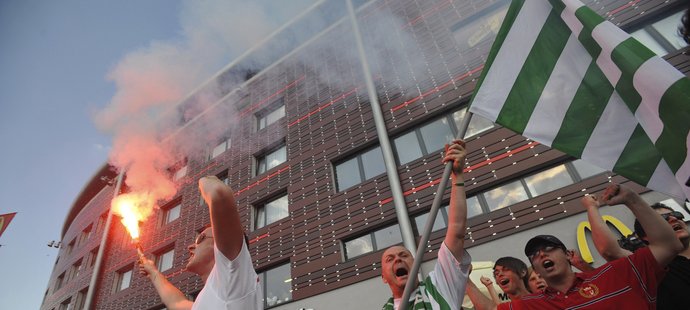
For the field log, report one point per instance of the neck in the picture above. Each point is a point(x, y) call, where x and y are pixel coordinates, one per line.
point(561, 283)
point(517, 293)
point(398, 291)
point(686, 248)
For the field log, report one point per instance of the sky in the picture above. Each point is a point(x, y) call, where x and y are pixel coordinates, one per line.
point(62, 64)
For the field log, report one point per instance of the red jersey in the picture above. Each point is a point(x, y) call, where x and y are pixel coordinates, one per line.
point(626, 283)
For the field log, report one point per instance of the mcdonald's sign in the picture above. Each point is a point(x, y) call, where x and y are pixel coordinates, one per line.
point(582, 238)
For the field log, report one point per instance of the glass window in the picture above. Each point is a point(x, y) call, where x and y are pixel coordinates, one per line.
point(548, 180)
point(180, 173)
point(94, 254)
point(439, 222)
point(477, 125)
point(81, 298)
point(585, 169)
point(360, 168)
point(123, 280)
point(266, 118)
point(59, 281)
point(407, 147)
point(66, 305)
point(172, 214)
point(474, 208)
point(277, 285)
point(387, 236)
point(505, 195)
point(271, 160)
point(436, 134)
point(347, 174)
point(359, 246)
point(271, 212)
point(165, 260)
point(662, 36)
point(76, 269)
point(372, 163)
point(220, 149)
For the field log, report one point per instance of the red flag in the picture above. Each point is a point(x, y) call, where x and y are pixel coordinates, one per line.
point(5, 220)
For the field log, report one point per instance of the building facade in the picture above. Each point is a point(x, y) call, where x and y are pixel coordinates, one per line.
point(305, 159)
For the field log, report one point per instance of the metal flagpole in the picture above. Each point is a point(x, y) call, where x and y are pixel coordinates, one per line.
point(101, 249)
point(410, 285)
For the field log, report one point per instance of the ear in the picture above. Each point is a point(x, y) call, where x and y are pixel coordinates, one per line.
point(384, 279)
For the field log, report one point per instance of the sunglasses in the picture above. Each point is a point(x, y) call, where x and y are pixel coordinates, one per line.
point(675, 214)
point(545, 249)
point(201, 237)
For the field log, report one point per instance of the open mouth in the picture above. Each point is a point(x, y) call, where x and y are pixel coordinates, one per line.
point(548, 264)
point(504, 282)
point(401, 272)
point(541, 287)
point(677, 227)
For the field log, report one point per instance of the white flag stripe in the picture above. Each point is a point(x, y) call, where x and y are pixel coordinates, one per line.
point(663, 178)
point(610, 136)
point(558, 93)
point(651, 81)
point(510, 59)
point(608, 37)
point(568, 16)
point(683, 172)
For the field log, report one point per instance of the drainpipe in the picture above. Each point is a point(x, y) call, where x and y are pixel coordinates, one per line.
point(101, 250)
point(388, 159)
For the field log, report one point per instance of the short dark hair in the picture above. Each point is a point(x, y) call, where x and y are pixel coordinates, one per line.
point(639, 231)
point(514, 265)
point(684, 29)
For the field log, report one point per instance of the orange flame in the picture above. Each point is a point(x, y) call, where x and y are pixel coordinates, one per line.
point(133, 208)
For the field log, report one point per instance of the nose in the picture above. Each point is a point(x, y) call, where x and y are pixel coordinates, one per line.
point(191, 247)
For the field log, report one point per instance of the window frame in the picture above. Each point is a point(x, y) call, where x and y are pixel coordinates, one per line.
point(360, 167)
point(262, 156)
point(160, 258)
point(263, 276)
point(262, 205)
point(374, 244)
point(265, 112)
point(121, 276)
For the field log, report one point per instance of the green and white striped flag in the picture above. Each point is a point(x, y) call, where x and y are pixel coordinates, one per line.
point(561, 75)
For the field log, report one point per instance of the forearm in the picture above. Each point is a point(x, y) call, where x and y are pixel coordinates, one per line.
point(493, 294)
point(225, 219)
point(171, 296)
point(457, 216)
point(603, 238)
point(662, 240)
point(479, 300)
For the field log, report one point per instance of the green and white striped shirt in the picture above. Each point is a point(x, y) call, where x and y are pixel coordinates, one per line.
point(444, 287)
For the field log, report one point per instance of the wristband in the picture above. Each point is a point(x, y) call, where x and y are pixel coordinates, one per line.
point(459, 183)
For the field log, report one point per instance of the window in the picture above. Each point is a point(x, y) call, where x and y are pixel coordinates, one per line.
point(220, 148)
point(270, 115)
point(440, 222)
point(477, 30)
point(271, 212)
point(101, 221)
point(432, 136)
point(662, 35)
point(70, 247)
point(85, 235)
point(123, 280)
point(172, 213)
point(271, 159)
point(94, 254)
point(66, 305)
point(277, 285)
point(164, 261)
point(76, 269)
point(81, 299)
point(59, 281)
point(363, 166)
point(180, 173)
point(374, 241)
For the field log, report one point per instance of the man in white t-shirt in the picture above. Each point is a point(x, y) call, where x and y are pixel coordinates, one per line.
point(219, 256)
point(444, 288)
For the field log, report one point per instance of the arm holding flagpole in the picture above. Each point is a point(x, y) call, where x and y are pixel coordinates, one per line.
point(409, 287)
point(604, 241)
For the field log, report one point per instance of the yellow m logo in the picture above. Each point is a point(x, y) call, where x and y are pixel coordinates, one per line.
point(582, 237)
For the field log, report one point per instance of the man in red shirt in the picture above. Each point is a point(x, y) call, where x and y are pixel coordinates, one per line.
point(626, 283)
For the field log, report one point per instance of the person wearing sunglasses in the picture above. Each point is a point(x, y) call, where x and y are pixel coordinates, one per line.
point(676, 283)
point(219, 255)
point(625, 283)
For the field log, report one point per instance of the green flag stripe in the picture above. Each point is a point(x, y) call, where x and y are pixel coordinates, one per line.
point(629, 56)
point(535, 73)
point(674, 113)
point(590, 99)
point(508, 54)
point(589, 20)
point(639, 158)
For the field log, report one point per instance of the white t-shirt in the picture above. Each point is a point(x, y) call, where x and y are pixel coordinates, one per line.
point(231, 284)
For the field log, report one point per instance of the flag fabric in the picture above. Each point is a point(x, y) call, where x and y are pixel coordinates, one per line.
point(560, 74)
point(5, 220)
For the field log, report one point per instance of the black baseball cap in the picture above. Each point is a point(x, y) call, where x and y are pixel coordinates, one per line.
point(541, 241)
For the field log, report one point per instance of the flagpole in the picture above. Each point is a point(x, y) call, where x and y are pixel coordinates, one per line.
point(101, 249)
point(409, 286)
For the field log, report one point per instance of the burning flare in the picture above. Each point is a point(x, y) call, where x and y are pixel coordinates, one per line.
point(133, 208)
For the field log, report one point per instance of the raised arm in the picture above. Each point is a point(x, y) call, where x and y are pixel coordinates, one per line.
point(171, 296)
point(228, 233)
point(478, 299)
point(457, 211)
point(603, 238)
point(663, 242)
